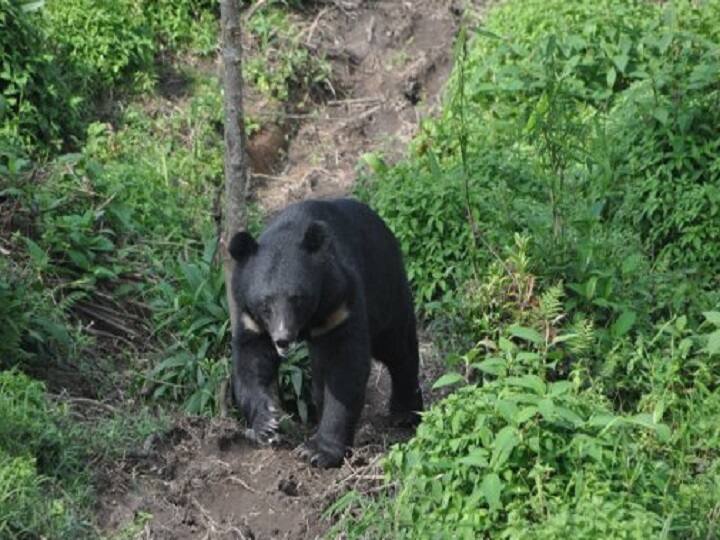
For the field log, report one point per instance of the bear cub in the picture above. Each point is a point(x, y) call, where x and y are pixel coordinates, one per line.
point(328, 272)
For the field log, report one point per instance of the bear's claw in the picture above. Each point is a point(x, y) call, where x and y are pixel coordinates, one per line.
point(317, 457)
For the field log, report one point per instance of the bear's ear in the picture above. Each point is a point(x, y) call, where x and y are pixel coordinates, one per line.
point(316, 236)
point(242, 246)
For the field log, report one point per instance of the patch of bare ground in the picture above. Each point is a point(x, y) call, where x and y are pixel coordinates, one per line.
point(389, 60)
point(203, 479)
point(389, 63)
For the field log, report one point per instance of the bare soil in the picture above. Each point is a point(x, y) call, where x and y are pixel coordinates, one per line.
point(202, 479)
point(389, 63)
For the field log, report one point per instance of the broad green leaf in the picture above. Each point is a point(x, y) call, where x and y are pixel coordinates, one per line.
point(449, 378)
point(604, 421)
point(492, 489)
point(476, 458)
point(646, 420)
point(620, 62)
point(506, 345)
point(29, 7)
point(623, 324)
point(712, 317)
point(563, 338)
point(505, 442)
point(630, 264)
point(713, 344)
point(569, 416)
point(559, 388)
point(547, 409)
point(528, 334)
point(525, 414)
point(508, 409)
point(531, 382)
point(492, 366)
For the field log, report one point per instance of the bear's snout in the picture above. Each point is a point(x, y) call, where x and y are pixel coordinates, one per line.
point(282, 346)
point(282, 337)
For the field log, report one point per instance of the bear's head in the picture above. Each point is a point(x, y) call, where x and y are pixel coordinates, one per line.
point(280, 279)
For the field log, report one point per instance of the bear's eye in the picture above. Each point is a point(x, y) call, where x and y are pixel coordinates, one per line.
point(297, 299)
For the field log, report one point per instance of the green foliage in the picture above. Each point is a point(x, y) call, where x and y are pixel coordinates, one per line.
point(184, 24)
point(41, 484)
point(36, 103)
point(295, 385)
point(283, 62)
point(524, 457)
point(191, 311)
point(588, 131)
point(105, 41)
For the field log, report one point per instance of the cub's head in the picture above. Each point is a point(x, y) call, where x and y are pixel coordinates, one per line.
point(279, 280)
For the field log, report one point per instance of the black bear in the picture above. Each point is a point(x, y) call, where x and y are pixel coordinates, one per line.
point(328, 272)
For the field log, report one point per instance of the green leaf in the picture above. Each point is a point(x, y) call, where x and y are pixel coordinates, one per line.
point(661, 114)
point(37, 254)
point(713, 344)
point(29, 7)
point(611, 77)
point(531, 382)
point(630, 264)
point(506, 345)
point(559, 388)
point(528, 334)
point(525, 414)
point(492, 366)
point(569, 416)
point(491, 490)
point(547, 409)
point(476, 458)
point(623, 324)
point(449, 378)
point(713, 317)
point(505, 442)
point(620, 62)
point(646, 420)
point(507, 409)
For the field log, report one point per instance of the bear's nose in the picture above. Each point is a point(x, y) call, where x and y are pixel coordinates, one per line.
point(282, 343)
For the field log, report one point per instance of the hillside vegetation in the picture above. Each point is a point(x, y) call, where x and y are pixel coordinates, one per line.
point(560, 220)
point(109, 283)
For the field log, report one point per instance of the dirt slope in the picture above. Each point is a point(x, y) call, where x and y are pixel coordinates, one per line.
point(389, 62)
point(203, 480)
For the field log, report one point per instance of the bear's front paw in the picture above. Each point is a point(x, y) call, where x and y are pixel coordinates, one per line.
point(322, 455)
point(264, 426)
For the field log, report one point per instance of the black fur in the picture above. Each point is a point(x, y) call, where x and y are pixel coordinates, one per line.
point(313, 259)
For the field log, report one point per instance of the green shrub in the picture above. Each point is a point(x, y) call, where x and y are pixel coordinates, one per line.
point(37, 104)
point(581, 124)
point(185, 23)
point(105, 41)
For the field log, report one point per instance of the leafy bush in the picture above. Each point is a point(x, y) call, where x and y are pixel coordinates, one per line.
point(522, 457)
point(589, 128)
point(581, 124)
point(37, 104)
point(186, 23)
point(106, 41)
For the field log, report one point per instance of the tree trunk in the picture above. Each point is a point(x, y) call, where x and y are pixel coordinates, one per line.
point(235, 160)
